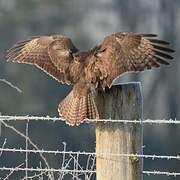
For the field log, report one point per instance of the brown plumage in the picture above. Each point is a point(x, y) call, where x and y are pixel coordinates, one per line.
point(118, 53)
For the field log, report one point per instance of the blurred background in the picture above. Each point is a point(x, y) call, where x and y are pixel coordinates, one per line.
point(87, 22)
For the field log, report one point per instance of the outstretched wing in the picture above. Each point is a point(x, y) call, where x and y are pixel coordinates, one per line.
point(35, 51)
point(123, 52)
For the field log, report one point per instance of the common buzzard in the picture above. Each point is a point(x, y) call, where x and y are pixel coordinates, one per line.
point(86, 71)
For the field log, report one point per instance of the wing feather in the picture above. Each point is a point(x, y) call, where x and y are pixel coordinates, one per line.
point(123, 52)
point(34, 51)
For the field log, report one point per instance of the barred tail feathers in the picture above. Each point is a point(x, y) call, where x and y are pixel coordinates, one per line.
point(75, 109)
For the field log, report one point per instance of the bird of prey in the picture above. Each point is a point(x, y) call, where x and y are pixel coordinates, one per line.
point(88, 71)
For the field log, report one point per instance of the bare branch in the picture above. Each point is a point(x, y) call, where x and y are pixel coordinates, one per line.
point(11, 85)
point(3, 146)
point(11, 172)
point(30, 142)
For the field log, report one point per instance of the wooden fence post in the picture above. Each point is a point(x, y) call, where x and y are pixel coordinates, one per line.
point(120, 102)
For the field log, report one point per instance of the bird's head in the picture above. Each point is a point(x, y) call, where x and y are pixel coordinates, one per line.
point(63, 47)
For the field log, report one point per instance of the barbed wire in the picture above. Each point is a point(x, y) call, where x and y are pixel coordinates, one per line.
point(76, 169)
point(155, 172)
point(46, 170)
point(146, 121)
point(153, 157)
point(161, 173)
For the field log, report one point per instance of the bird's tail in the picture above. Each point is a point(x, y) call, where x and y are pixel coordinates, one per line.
point(76, 107)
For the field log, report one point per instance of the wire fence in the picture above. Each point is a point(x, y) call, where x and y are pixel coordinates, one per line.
point(147, 121)
point(77, 165)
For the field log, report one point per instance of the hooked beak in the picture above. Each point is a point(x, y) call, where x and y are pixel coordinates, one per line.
point(76, 55)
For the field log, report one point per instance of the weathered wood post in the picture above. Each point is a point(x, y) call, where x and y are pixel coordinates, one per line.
point(121, 102)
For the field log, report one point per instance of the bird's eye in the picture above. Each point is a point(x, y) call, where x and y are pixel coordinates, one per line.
point(99, 52)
